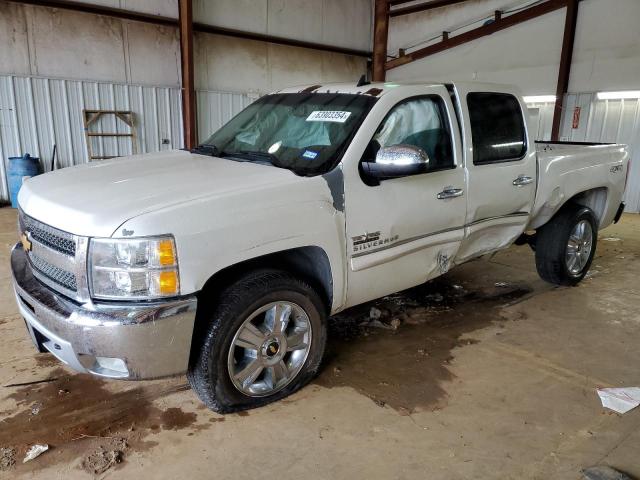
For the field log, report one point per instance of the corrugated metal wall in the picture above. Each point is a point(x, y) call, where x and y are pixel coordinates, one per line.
point(609, 121)
point(217, 108)
point(38, 113)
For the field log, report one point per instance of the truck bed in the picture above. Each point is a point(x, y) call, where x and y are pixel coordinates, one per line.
point(570, 169)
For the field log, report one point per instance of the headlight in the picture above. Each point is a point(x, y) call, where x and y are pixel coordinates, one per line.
point(133, 268)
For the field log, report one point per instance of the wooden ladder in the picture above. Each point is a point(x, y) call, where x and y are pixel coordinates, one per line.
point(90, 117)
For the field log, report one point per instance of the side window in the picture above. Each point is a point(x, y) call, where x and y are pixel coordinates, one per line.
point(420, 122)
point(497, 127)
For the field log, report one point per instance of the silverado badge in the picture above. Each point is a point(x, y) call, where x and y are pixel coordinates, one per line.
point(370, 240)
point(26, 244)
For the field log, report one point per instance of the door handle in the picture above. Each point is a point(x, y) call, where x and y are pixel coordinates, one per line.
point(522, 180)
point(450, 192)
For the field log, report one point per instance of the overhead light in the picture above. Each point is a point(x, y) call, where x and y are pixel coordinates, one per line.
point(618, 95)
point(540, 99)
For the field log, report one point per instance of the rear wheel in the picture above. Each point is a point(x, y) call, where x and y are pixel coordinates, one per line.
point(565, 246)
point(263, 340)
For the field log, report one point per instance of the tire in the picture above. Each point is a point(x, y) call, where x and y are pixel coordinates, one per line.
point(556, 248)
point(221, 350)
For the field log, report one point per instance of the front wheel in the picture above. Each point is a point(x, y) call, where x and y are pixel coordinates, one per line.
point(565, 246)
point(264, 340)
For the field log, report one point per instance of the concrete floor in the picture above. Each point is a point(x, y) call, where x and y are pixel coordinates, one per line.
point(478, 381)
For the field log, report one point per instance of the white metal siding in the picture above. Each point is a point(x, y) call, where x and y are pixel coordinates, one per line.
point(36, 113)
point(217, 108)
point(607, 121)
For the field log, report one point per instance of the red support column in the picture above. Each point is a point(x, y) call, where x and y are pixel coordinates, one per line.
point(564, 71)
point(380, 35)
point(185, 22)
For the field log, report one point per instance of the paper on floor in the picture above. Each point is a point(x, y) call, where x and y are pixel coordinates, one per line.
point(35, 452)
point(620, 400)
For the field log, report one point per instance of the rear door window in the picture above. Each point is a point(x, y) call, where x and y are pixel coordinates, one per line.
point(497, 128)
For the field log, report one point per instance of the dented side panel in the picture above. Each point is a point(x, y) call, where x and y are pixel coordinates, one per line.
point(593, 175)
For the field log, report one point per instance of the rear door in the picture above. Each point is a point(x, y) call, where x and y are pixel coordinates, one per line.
point(500, 160)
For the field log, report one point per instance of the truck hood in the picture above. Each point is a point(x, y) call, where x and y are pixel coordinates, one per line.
point(95, 199)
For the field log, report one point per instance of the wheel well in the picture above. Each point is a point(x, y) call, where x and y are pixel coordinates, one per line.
point(595, 199)
point(309, 263)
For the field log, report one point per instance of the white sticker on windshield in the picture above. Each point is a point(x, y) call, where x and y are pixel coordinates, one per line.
point(328, 116)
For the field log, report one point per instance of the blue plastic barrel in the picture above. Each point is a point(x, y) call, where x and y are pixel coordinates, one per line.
point(20, 168)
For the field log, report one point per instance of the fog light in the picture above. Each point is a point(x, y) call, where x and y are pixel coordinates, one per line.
point(114, 364)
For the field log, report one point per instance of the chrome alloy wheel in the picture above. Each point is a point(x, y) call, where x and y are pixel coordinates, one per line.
point(269, 349)
point(579, 247)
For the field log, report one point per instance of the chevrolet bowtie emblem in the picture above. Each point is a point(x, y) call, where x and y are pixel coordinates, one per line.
point(26, 244)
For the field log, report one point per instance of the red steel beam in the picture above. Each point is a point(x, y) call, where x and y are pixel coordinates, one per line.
point(290, 42)
point(499, 24)
point(198, 27)
point(420, 7)
point(101, 10)
point(185, 21)
point(564, 72)
point(380, 37)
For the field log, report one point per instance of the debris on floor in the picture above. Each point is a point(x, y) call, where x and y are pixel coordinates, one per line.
point(620, 400)
point(604, 472)
point(105, 457)
point(612, 239)
point(34, 452)
point(501, 284)
point(7, 458)
point(434, 297)
point(378, 324)
point(35, 408)
point(375, 313)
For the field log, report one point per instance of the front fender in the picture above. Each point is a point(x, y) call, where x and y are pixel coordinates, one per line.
point(215, 233)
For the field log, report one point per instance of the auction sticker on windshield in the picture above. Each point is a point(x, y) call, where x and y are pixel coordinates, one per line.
point(328, 116)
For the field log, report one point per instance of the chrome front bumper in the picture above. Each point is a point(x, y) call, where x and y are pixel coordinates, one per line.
point(132, 341)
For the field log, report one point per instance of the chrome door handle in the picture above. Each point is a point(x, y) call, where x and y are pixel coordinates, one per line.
point(450, 192)
point(522, 180)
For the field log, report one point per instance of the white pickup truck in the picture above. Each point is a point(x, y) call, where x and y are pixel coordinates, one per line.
point(225, 262)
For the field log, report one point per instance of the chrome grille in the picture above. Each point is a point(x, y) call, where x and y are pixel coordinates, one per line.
point(57, 258)
point(58, 275)
point(58, 240)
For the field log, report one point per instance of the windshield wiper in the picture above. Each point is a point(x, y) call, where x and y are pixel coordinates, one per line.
point(206, 149)
point(252, 155)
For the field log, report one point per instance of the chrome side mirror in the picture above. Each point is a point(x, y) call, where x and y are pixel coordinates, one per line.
point(397, 161)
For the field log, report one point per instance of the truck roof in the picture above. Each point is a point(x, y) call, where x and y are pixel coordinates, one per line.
point(377, 89)
point(374, 89)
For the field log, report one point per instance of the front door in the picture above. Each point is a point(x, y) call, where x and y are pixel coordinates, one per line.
point(403, 231)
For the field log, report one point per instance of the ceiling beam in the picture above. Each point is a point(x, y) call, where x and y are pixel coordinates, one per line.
point(198, 27)
point(564, 72)
point(102, 10)
point(290, 42)
point(420, 7)
point(500, 22)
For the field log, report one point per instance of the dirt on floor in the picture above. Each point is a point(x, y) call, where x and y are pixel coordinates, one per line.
point(486, 372)
point(396, 350)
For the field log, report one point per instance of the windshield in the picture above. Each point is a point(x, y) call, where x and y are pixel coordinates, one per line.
point(304, 132)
